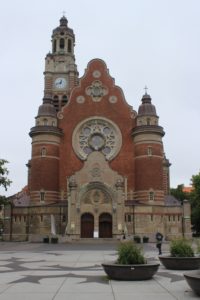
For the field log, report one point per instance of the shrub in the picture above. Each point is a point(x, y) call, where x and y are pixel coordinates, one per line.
point(129, 253)
point(181, 248)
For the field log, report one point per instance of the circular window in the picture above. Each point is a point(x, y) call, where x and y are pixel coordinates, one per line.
point(97, 134)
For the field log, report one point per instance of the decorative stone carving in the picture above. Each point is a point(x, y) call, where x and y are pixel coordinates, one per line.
point(96, 74)
point(80, 99)
point(60, 115)
point(96, 91)
point(97, 134)
point(112, 99)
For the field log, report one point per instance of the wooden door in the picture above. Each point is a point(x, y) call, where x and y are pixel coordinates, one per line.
point(87, 225)
point(105, 225)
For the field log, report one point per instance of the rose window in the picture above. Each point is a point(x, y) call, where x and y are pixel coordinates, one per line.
point(97, 134)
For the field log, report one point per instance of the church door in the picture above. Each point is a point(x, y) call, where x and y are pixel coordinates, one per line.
point(87, 225)
point(105, 225)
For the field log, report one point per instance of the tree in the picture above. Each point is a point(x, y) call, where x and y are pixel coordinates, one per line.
point(195, 202)
point(179, 194)
point(4, 181)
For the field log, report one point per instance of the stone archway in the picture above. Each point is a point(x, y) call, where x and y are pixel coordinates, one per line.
point(105, 225)
point(87, 225)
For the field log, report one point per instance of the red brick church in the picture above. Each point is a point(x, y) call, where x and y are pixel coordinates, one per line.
point(97, 166)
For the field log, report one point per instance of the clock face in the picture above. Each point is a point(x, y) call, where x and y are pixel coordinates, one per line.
point(60, 83)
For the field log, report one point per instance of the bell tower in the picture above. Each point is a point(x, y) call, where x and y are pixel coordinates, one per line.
point(60, 75)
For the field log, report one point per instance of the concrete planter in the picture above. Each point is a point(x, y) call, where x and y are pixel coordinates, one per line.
point(130, 272)
point(193, 279)
point(180, 263)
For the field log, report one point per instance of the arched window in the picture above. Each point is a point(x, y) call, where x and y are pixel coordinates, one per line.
point(148, 121)
point(62, 43)
point(69, 46)
point(54, 45)
point(45, 122)
point(64, 100)
point(151, 196)
point(42, 196)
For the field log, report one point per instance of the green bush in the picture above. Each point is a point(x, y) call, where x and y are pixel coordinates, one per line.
point(181, 248)
point(129, 253)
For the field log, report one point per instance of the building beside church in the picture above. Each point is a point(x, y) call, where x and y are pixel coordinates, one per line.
point(97, 166)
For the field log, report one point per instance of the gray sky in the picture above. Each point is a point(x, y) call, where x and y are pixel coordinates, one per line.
point(143, 42)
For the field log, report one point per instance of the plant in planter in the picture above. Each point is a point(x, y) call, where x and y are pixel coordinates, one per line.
point(193, 277)
point(131, 264)
point(181, 256)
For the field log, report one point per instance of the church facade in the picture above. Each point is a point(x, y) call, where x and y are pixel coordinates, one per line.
point(97, 167)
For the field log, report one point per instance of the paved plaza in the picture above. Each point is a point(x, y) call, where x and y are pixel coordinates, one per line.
point(72, 271)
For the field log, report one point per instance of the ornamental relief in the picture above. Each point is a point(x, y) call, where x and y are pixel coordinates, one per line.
point(96, 91)
point(96, 196)
point(97, 134)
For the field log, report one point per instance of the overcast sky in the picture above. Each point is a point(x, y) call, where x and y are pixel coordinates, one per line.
point(143, 42)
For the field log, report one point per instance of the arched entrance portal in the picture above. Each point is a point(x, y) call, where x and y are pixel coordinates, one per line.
point(105, 225)
point(87, 225)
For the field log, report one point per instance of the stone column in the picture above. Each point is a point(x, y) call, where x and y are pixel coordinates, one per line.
point(72, 209)
point(118, 209)
point(187, 219)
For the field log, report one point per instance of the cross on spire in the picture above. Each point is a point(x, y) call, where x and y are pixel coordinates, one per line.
point(64, 12)
point(145, 88)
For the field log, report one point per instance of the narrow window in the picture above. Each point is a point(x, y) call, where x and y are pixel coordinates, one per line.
point(63, 218)
point(149, 151)
point(42, 196)
point(151, 218)
point(56, 102)
point(129, 218)
point(41, 218)
point(62, 43)
point(151, 196)
point(69, 46)
point(54, 46)
point(43, 152)
point(169, 218)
